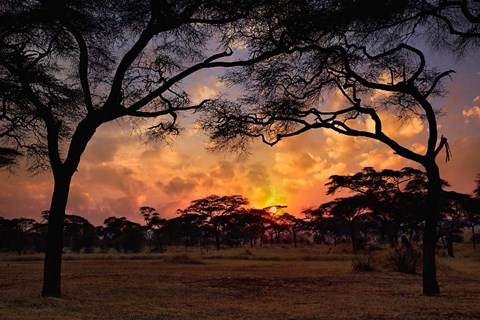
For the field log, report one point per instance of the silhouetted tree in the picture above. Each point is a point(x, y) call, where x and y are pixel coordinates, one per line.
point(216, 210)
point(187, 229)
point(79, 233)
point(153, 228)
point(147, 213)
point(123, 234)
point(15, 233)
point(388, 192)
point(67, 67)
point(364, 55)
point(253, 224)
point(455, 209)
point(352, 212)
point(316, 222)
point(472, 214)
point(293, 223)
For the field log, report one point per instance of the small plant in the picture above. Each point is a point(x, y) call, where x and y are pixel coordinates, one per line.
point(404, 259)
point(362, 263)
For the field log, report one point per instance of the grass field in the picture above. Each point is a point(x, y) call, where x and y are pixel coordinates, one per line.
point(243, 283)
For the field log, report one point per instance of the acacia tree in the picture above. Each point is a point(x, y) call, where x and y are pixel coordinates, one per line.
point(472, 215)
point(293, 223)
point(455, 207)
point(67, 67)
point(368, 58)
point(389, 192)
point(350, 212)
point(216, 211)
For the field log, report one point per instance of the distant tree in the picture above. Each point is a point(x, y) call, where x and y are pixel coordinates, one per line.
point(15, 233)
point(455, 209)
point(216, 211)
point(79, 233)
point(472, 214)
point(388, 192)
point(318, 224)
point(147, 213)
point(235, 231)
point(253, 223)
point(123, 234)
point(187, 229)
point(38, 236)
point(153, 228)
point(293, 223)
point(352, 212)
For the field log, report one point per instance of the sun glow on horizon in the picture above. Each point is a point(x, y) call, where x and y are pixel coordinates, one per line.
point(274, 210)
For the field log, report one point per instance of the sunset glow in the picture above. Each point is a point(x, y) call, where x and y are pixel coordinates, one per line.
point(119, 172)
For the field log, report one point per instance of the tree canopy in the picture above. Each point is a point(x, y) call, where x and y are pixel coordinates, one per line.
point(68, 67)
point(344, 67)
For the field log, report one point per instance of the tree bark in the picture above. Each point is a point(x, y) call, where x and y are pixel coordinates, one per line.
point(430, 283)
point(53, 256)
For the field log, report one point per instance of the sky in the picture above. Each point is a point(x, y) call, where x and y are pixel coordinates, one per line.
point(119, 172)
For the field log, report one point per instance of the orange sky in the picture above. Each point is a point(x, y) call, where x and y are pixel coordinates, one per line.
point(120, 173)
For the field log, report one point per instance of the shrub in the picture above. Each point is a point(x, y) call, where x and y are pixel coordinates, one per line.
point(404, 259)
point(362, 263)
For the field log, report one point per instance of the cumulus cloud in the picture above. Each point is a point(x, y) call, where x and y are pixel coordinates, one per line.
point(208, 88)
point(177, 186)
point(383, 158)
point(119, 173)
point(473, 112)
point(398, 128)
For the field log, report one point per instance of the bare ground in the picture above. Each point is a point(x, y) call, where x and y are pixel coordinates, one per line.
point(280, 284)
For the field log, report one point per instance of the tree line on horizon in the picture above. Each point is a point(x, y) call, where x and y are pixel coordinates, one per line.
point(382, 206)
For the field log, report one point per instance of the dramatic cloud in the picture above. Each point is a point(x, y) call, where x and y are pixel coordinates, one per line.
point(473, 112)
point(119, 172)
point(177, 185)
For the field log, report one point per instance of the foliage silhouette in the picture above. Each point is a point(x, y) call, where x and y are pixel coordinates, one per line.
point(215, 212)
point(68, 67)
point(359, 53)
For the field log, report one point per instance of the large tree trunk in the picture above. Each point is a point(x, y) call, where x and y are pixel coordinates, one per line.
point(430, 283)
point(53, 257)
point(62, 173)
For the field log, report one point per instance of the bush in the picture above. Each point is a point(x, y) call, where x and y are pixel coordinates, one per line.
point(404, 259)
point(362, 263)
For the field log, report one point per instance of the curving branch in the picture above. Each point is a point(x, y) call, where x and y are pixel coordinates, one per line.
point(82, 64)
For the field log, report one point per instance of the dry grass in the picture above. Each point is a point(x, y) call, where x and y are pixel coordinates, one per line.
point(258, 283)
